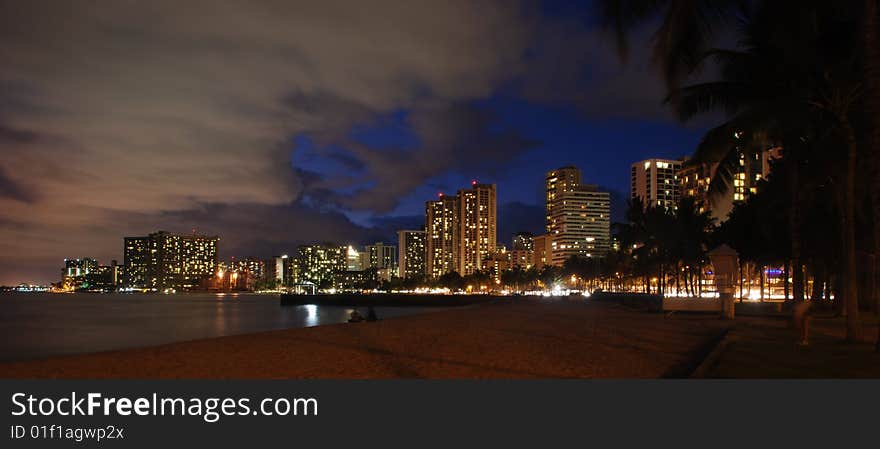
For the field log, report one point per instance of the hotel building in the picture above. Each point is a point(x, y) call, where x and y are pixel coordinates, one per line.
point(522, 250)
point(655, 182)
point(163, 260)
point(477, 237)
point(578, 217)
point(543, 251)
point(319, 263)
point(411, 247)
point(558, 182)
point(380, 256)
point(441, 235)
point(695, 177)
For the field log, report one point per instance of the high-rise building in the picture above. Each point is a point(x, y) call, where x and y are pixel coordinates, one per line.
point(381, 256)
point(163, 260)
point(522, 250)
point(281, 271)
point(695, 177)
point(655, 182)
point(477, 236)
point(441, 235)
point(355, 260)
point(140, 262)
point(198, 259)
point(578, 217)
point(497, 263)
point(411, 247)
point(85, 274)
point(557, 182)
point(241, 274)
point(543, 251)
point(79, 267)
point(318, 263)
point(582, 224)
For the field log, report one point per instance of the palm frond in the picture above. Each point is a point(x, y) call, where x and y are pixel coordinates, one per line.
point(727, 97)
point(621, 16)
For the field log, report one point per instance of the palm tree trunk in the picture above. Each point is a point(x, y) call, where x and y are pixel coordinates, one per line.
point(762, 283)
point(795, 233)
point(872, 103)
point(816, 272)
point(677, 285)
point(785, 273)
point(740, 281)
point(849, 276)
point(700, 283)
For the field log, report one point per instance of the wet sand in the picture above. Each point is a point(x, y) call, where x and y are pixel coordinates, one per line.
point(529, 338)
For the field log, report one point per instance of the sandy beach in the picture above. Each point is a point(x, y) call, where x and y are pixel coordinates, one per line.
point(528, 339)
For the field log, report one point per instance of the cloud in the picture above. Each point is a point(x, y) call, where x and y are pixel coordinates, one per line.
point(13, 190)
point(454, 137)
point(245, 229)
point(138, 108)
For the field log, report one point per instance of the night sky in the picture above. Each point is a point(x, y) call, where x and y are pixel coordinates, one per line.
point(273, 124)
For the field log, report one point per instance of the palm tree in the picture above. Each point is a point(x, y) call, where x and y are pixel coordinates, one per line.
point(829, 81)
point(780, 91)
point(686, 30)
point(691, 236)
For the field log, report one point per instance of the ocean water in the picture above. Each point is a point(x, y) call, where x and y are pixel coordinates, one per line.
point(38, 325)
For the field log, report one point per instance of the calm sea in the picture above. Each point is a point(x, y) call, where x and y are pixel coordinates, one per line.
point(36, 325)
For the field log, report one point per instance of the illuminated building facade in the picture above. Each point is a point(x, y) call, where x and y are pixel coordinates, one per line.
point(655, 182)
point(441, 235)
point(355, 280)
point(557, 183)
point(477, 236)
point(543, 250)
point(381, 256)
point(86, 275)
point(522, 250)
point(695, 177)
point(139, 260)
point(198, 260)
point(79, 267)
point(578, 217)
point(411, 246)
point(242, 274)
point(163, 260)
point(319, 263)
point(497, 263)
point(354, 259)
point(279, 271)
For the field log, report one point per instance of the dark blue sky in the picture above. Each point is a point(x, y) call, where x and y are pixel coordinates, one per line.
point(603, 148)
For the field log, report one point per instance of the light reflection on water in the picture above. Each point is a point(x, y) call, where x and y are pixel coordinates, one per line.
point(311, 314)
point(35, 325)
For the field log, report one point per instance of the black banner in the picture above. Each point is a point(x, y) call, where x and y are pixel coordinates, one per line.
point(404, 413)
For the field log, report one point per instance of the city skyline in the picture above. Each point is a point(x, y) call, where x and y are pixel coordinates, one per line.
point(572, 188)
point(459, 235)
point(140, 135)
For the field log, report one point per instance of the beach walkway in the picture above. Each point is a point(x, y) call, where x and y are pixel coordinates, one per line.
point(523, 338)
point(762, 348)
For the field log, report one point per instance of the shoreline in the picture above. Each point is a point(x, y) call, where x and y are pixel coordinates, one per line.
point(527, 339)
point(389, 300)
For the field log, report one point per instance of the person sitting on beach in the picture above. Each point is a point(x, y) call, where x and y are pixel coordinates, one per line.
point(355, 317)
point(371, 314)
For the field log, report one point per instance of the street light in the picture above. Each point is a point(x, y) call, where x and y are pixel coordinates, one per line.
point(724, 264)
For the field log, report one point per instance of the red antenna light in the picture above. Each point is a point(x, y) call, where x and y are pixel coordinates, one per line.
point(474, 182)
point(440, 194)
